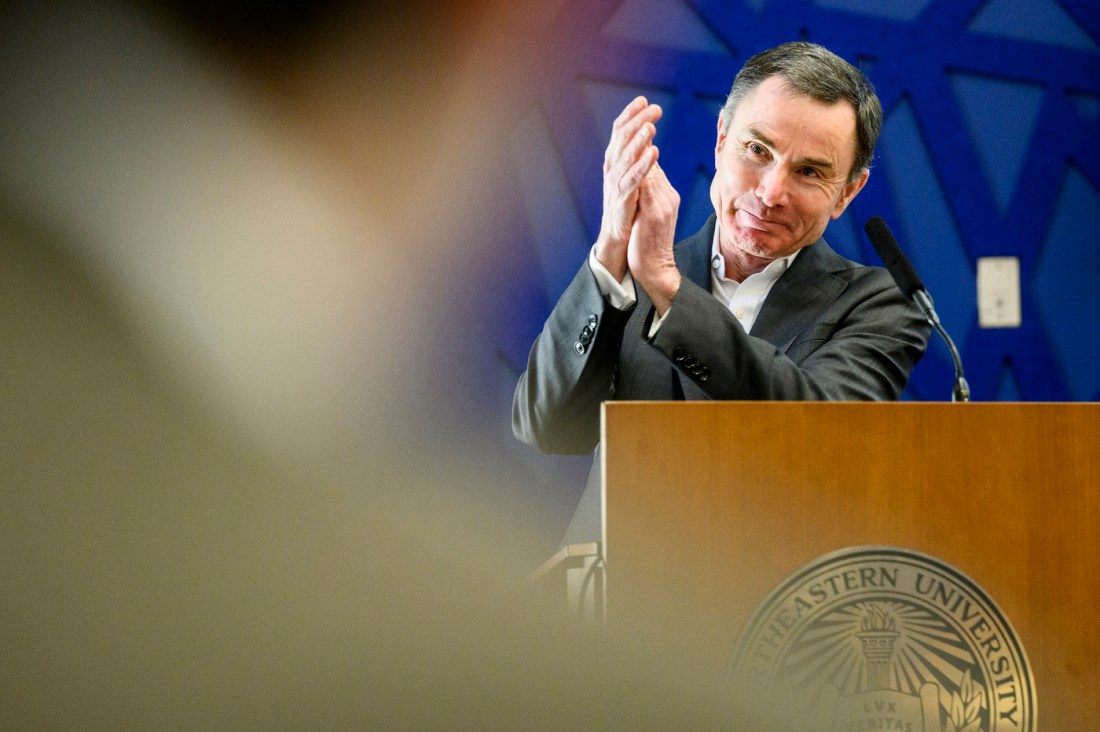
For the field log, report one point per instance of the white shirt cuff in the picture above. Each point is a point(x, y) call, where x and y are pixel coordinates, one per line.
point(655, 325)
point(621, 295)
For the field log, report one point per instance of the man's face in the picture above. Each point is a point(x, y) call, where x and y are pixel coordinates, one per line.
point(782, 171)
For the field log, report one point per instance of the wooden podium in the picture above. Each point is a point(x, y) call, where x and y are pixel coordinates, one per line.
point(709, 506)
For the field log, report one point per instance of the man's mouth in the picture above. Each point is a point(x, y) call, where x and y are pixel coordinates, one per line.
point(751, 220)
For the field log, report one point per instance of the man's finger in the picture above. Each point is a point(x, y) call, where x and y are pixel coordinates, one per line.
point(641, 124)
point(637, 172)
point(633, 150)
point(636, 105)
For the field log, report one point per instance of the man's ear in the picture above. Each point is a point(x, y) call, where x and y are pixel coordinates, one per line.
point(723, 128)
point(849, 192)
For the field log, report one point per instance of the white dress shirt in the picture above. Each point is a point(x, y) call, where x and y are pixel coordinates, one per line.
point(743, 299)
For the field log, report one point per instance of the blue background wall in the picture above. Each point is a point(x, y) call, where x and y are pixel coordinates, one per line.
point(991, 146)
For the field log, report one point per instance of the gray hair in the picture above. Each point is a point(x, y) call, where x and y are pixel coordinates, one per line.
point(814, 71)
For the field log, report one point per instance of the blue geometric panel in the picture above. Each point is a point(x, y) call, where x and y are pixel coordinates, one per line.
point(1002, 116)
point(663, 24)
point(1088, 105)
point(926, 231)
point(1040, 21)
point(1007, 389)
point(1072, 316)
point(606, 101)
point(906, 10)
point(695, 204)
point(842, 236)
point(555, 223)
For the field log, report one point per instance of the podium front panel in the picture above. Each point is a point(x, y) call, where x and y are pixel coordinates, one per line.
point(708, 506)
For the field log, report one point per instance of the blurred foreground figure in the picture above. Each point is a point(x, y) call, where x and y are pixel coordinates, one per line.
point(214, 513)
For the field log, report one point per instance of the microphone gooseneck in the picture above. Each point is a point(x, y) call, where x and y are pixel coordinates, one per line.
point(899, 267)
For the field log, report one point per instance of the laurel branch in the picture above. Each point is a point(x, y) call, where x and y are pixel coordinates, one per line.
point(966, 706)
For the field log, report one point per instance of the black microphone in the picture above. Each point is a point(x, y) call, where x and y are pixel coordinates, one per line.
point(897, 264)
point(890, 253)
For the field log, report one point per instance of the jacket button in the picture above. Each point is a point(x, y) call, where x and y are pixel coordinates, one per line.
point(580, 348)
point(678, 354)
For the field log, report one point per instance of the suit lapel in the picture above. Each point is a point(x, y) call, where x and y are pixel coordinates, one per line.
point(692, 256)
point(807, 287)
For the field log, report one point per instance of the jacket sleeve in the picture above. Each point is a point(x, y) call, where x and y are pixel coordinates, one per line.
point(570, 371)
point(863, 348)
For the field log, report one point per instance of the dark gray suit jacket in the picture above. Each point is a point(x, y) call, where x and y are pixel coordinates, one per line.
point(830, 329)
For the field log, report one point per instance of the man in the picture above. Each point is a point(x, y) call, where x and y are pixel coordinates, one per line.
point(753, 306)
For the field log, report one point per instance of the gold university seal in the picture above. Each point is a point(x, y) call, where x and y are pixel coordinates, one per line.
point(882, 638)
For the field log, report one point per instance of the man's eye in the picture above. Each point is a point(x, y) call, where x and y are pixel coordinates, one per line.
point(757, 149)
point(810, 172)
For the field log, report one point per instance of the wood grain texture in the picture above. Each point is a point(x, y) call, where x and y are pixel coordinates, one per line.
point(709, 506)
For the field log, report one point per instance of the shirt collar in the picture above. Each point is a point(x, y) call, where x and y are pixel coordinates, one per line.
point(718, 263)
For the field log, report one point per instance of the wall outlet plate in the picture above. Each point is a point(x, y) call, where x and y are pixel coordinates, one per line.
point(999, 292)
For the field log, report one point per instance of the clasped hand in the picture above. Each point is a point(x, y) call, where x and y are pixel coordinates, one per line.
point(639, 207)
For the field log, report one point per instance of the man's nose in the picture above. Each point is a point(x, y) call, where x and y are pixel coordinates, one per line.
point(773, 189)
